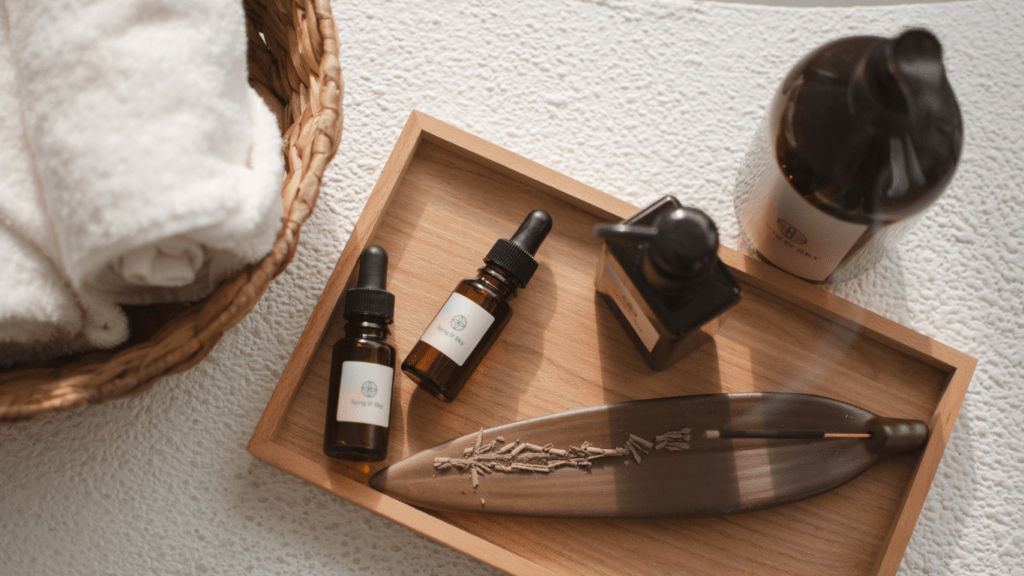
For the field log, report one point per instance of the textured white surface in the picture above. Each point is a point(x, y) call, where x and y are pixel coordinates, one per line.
point(637, 99)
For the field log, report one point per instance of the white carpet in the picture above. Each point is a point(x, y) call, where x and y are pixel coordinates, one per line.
point(638, 99)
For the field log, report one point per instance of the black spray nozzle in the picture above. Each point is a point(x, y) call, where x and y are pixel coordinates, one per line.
point(516, 254)
point(917, 58)
point(369, 297)
point(625, 233)
point(678, 251)
point(901, 83)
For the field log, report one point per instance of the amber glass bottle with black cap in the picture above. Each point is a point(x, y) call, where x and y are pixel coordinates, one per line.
point(862, 136)
point(363, 367)
point(474, 315)
point(660, 274)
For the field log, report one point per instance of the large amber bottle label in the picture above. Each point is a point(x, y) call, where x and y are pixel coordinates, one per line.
point(782, 225)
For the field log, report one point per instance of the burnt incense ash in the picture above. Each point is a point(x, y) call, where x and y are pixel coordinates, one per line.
point(520, 457)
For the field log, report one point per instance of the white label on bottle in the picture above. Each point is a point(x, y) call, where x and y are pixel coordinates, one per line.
point(793, 234)
point(364, 394)
point(614, 284)
point(458, 328)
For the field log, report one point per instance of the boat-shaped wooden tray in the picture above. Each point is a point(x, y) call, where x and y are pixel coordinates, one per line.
point(441, 201)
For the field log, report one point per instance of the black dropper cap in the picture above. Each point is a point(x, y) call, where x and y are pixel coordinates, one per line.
point(369, 298)
point(516, 255)
point(679, 251)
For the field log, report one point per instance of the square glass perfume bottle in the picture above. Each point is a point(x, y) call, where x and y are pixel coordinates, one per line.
point(660, 274)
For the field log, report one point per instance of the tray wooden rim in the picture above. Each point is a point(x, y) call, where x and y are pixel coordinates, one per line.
point(420, 127)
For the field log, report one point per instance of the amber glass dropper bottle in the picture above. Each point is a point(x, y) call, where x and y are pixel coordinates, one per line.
point(363, 367)
point(470, 321)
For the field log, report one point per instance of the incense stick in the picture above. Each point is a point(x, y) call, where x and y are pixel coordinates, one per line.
point(783, 434)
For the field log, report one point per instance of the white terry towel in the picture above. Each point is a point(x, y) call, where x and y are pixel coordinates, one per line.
point(40, 315)
point(160, 168)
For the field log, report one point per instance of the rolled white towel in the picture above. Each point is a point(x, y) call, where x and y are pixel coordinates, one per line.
point(190, 265)
point(160, 167)
point(40, 316)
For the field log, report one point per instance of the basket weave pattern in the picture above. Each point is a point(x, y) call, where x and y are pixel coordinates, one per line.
point(293, 65)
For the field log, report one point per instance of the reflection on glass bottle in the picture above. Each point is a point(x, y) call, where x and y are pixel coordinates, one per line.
point(660, 274)
point(862, 135)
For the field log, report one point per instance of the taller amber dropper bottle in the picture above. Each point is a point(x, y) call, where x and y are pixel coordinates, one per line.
point(363, 367)
point(470, 321)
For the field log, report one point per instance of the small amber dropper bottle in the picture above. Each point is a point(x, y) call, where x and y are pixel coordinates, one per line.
point(363, 367)
point(470, 321)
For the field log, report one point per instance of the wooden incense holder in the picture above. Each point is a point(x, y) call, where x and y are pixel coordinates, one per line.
point(642, 459)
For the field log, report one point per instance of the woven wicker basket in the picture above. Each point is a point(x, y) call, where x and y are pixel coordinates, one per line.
point(293, 64)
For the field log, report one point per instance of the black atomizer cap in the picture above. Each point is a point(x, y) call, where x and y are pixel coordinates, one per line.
point(516, 254)
point(684, 251)
point(369, 298)
point(679, 251)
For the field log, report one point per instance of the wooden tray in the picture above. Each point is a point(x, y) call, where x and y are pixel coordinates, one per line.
point(442, 200)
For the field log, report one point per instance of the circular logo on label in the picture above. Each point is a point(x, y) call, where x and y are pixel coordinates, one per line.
point(369, 389)
point(791, 233)
point(458, 322)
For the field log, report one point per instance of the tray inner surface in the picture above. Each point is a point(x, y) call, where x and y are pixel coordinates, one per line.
point(563, 349)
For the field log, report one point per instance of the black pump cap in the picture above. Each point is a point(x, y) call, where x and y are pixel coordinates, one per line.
point(516, 255)
point(901, 83)
point(369, 298)
point(685, 247)
point(679, 251)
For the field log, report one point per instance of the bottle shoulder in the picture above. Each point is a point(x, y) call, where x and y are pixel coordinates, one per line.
point(361, 348)
point(868, 179)
point(384, 342)
point(486, 292)
point(838, 160)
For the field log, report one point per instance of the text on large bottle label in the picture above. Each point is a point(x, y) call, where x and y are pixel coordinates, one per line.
point(793, 234)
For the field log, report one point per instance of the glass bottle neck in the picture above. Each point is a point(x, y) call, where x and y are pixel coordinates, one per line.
point(498, 281)
point(366, 327)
